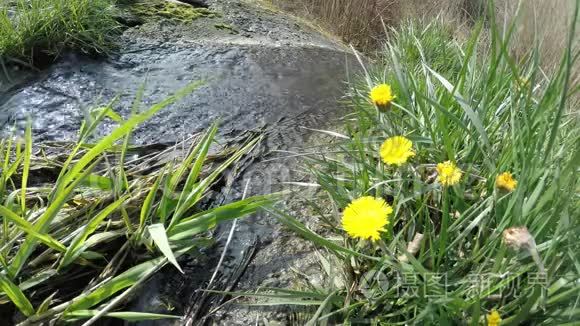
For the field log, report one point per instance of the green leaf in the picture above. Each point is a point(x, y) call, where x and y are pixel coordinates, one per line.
point(109, 113)
point(77, 245)
point(37, 279)
point(26, 166)
point(524, 310)
point(206, 220)
point(44, 221)
point(159, 236)
point(16, 296)
point(124, 129)
point(471, 114)
point(122, 281)
point(125, 315)
point(43, 307)
point(114, 285)
point(323, 306)
point(199, 153)
point(98, 182)
point(28, 228)
point(531, 200)
point(568, 63)
point(196, 193)
point(147, 206)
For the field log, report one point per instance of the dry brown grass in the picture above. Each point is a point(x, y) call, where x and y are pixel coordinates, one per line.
point(355, 21)
point(359, 21)
point(545, 23)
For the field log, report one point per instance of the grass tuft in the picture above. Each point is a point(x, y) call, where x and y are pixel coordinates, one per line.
point(83, 226)
point(37, 31)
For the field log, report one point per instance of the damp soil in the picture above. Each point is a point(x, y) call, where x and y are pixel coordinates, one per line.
point(263, 70)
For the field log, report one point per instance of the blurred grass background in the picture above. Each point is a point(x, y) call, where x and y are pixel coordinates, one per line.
point(360, 22)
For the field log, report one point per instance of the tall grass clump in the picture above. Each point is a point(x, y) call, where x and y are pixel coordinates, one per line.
point(39, 30)
point(83, 225)
point(453, 198)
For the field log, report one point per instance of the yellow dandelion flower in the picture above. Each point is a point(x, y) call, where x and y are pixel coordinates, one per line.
point(365, 217)
point(493, 318)
point(448, 173)
point(506, 181)
point(396, 150)
point(382, 95)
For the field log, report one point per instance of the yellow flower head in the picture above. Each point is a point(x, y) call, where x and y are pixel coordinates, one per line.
point(493, 318)
point(449, 174)
point(396, 150)
point(365, 217)
point(382, 95)
point(506, 181)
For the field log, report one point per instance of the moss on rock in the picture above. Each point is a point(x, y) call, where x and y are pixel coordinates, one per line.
point(175, 11)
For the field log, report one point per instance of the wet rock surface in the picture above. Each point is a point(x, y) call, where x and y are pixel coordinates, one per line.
point(273, 68)
point(262, 69)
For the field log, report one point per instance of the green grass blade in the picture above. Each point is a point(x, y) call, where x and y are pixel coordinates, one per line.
point(147, 206)
point(200, 154)
point(79, 171)
point(197, 192)
point(44, 221)
point(98, 182)
point(125, 315)
point(116, 284)
point(204, 221)
point(16, 296)
point(28, 228)
point(87, 128)
point(26, 166)
point(46, 303)
point(199, 151)
point(127, 279)
point(37, 279)
point(159, 236)
point(122, 181)
point(108, 141)
point(471, 114)
point(76, 246)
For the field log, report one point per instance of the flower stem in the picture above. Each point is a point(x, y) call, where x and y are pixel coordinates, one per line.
point(444, 226)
